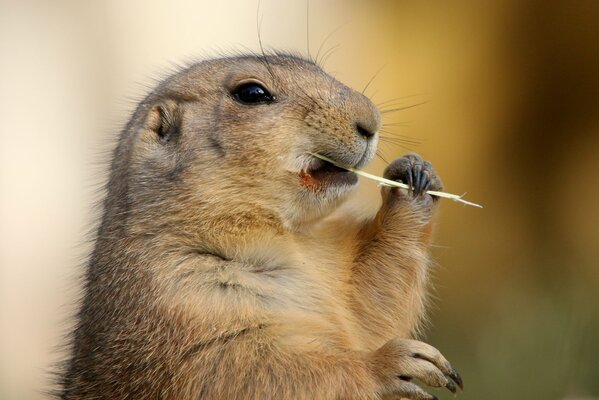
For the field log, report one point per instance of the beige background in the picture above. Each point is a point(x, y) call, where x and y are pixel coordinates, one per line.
point(512, 118)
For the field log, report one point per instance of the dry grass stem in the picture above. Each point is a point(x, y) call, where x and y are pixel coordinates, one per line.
point(388, 182)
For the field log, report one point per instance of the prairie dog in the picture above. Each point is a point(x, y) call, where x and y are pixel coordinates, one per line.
point(223, 267)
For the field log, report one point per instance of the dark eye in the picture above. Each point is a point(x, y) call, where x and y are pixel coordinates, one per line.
point(252, 93)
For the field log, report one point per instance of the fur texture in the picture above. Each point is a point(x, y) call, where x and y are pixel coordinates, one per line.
point(219, 273)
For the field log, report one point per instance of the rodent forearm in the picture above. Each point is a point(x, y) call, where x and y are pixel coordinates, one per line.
point(390, 270)
point(282, 372)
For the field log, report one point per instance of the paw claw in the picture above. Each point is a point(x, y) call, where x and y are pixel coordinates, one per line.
point(451, 387)
point(409, 178)
point(417, 170)
point(427, 186)
point(457, 378)
point(418, 360)
point(417, 173)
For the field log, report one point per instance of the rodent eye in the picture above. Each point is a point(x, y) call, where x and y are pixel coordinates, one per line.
point(252, 93)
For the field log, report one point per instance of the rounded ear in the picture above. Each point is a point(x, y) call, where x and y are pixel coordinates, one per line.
point(163, 122)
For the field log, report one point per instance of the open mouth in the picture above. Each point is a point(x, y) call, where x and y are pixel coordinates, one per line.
point(321, 174)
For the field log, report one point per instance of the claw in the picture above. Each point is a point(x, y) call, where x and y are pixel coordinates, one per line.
point(418, 179)
point(427, 186)
point(457, 378)
point(451, 386)
point(424, 180)
point(410, 178)
point(447, 370)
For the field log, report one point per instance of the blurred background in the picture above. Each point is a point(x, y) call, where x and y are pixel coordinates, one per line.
point(512, 117)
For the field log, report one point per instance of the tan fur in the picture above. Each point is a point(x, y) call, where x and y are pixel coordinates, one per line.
point(217, 274)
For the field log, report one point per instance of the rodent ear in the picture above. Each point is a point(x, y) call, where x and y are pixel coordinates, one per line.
point(163, 121)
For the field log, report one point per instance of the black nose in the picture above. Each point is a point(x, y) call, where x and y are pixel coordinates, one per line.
point(362, 131)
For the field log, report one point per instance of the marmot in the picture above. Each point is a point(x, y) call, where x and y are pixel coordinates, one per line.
point(223, 268)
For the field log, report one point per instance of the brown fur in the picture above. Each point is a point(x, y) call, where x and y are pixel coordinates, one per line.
point(217, 274)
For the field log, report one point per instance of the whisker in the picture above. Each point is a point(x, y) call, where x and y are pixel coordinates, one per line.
point(405, 147)
point(403, 108)
point(395, 136)
point(329, 53)
point(401, 138)
point(308, 28)
point(395, 146)
point(379, 154)
point(258, 26)
point(373, 78)
point(325, 40)
point(396, 99)
point(401, 124)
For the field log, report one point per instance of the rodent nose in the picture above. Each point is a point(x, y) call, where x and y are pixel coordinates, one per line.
point(366, 118)
point(363, 131)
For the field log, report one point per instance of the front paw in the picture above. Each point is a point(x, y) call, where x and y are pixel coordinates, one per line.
point(400, 361)
point(415, 172)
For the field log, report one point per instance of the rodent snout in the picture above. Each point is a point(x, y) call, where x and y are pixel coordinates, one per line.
point(366, 116)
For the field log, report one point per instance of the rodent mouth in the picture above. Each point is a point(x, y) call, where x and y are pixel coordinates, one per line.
point(322, 174)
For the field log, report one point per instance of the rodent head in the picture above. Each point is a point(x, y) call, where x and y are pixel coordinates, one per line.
point(232, 136)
